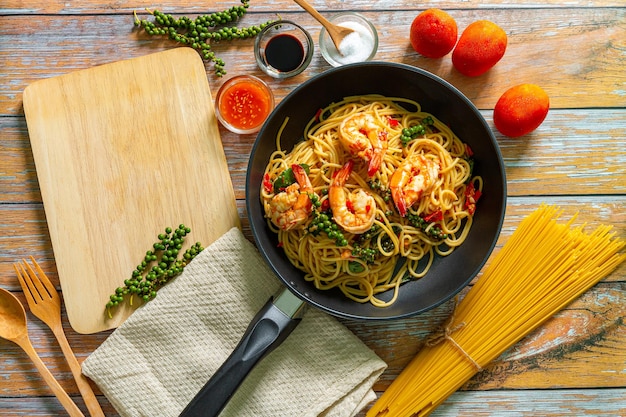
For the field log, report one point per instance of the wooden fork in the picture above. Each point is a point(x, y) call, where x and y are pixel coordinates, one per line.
point(45, 303)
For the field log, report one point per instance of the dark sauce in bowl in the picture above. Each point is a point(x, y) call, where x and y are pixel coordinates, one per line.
point(284, 52)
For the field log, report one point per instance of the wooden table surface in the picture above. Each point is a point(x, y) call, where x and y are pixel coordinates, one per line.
point(574, 365)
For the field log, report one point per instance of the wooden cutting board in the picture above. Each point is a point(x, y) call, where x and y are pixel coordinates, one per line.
point(122, 151)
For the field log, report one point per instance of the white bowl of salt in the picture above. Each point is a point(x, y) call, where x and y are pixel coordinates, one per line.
point(359, 46)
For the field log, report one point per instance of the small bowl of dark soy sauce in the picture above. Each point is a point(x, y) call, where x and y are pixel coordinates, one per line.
point(283, 49)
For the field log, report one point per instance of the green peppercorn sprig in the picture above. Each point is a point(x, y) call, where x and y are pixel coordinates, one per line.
point(363, 248)
point(383, 191)
point(434, 231)
point(367, 255)
point(198, 33)
point(410, 133)
point(369, 235)
point(322, 222)
point(159, 266)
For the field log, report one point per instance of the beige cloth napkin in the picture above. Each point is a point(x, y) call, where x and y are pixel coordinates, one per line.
point(164, 353)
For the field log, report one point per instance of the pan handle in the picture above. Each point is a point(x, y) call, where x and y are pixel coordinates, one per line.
point(271, 325)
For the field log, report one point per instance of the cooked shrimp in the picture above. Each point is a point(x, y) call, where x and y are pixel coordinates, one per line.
point(293, 206)
point(363, 137)
point(415, 176)
point(354, 212)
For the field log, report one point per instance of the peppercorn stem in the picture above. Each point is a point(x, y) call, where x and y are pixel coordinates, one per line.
point(197, 33)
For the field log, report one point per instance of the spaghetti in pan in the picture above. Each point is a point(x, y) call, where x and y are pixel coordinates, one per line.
point(377, 189)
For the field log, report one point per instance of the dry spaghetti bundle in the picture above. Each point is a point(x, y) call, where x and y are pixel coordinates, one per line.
point(543, 267)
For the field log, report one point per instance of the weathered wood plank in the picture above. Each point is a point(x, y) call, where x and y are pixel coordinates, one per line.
point(557, 403)
point(536, 362)
point(534, 54)
point(572, 152)
point(551, 403)
point(576, 160)
point(24, 231)
point(46, 406)
point(14, 7)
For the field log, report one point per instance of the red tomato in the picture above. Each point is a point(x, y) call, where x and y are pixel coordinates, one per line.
point(521, 109)
point(481, 45)
point(433, 33)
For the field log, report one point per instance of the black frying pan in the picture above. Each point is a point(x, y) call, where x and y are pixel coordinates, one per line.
point(447, 275)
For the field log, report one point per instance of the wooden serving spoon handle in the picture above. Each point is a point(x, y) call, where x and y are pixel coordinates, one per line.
point(306, 6)
point(336, 33)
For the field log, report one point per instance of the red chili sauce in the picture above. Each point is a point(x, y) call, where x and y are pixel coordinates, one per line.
point(245, 105)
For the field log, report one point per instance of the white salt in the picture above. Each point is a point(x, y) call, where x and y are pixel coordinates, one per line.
point(356, 47)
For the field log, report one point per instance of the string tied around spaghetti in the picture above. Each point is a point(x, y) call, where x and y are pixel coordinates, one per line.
point(445, 333)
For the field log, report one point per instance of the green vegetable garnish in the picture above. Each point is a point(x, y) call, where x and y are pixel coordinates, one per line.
point(356, 267)
point(286, 178)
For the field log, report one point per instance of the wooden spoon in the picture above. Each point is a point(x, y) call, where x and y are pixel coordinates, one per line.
point(337, 33)
point(13, 327)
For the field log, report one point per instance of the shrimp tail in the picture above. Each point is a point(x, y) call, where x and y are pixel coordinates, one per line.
point(398, 197)
point(377, 152)
point(304, 201)
point(301, 177)
point(374, 164)
point(342, 175)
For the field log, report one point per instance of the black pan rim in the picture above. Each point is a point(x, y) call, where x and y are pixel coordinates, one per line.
point(305, 294)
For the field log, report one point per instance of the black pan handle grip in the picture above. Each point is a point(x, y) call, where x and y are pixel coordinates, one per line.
point(266, 331)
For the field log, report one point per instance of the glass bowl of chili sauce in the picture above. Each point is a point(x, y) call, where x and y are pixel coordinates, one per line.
point(243, 103)
point(283, 49)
